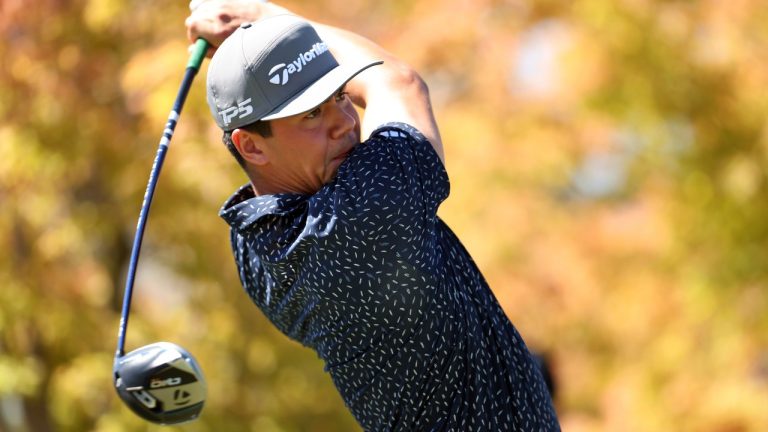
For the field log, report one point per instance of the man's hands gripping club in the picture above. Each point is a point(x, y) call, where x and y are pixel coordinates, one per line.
point(215, 20)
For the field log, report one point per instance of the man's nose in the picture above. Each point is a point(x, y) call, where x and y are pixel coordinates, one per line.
point(343, 121)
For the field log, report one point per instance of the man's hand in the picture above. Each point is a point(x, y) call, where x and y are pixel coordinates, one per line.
point(215, 20)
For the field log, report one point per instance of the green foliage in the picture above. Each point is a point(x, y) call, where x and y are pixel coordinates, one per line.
point(650, 292)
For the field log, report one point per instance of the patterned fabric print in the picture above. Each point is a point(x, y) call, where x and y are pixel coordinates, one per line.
point(366, 274)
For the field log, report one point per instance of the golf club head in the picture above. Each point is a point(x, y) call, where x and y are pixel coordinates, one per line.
point(161, 383)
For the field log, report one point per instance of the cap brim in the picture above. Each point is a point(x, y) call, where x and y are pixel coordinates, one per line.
point(320, 90)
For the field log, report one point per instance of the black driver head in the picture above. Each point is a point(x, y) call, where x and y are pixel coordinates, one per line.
point(161, 383)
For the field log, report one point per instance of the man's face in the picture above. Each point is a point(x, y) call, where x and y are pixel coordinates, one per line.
point(305, 150)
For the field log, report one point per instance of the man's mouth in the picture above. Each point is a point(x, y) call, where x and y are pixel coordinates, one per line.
point(344, 155)
point(350, 144)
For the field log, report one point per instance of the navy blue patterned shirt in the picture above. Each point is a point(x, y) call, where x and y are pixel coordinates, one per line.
point(366, 274)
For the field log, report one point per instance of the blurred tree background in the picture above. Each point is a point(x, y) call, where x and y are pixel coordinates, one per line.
point(608, 163)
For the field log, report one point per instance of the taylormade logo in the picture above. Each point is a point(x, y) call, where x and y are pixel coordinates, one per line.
point(281, 73)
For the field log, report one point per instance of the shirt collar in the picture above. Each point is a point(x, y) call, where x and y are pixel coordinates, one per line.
point(243, 209)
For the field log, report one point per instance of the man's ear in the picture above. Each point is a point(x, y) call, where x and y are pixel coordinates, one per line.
point(250, 146)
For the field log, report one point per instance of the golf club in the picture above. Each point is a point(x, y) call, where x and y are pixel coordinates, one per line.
point(160, 382)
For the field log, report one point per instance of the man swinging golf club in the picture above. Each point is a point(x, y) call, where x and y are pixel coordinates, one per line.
point(336, 236)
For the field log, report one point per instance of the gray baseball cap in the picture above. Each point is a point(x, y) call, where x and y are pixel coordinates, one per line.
point(273, 68)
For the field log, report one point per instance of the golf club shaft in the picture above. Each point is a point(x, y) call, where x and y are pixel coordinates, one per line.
point(195, 60)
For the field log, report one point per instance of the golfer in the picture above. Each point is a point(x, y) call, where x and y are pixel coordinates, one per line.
point(336, 236)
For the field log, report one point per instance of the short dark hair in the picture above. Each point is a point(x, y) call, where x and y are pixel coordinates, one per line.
point(260, 127)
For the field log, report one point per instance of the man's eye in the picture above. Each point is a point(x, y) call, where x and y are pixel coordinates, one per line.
point(340, 96)
point(312, 114)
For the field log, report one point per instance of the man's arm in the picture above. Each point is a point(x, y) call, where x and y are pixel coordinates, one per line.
point(391, 92)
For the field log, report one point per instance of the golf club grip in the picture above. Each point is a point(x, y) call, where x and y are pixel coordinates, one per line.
point(195, 60)
point(198, 54)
